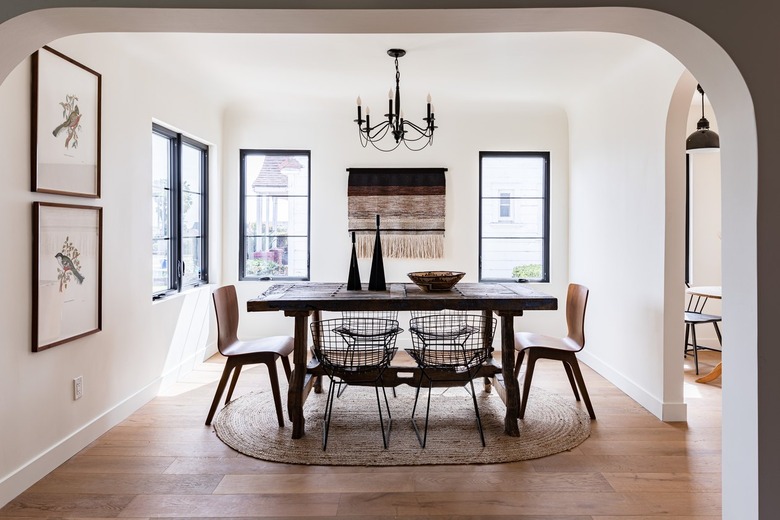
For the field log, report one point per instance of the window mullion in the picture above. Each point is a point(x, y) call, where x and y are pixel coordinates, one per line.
point(176, 217)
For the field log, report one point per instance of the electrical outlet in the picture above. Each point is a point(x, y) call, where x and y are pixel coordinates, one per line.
point(78, 388)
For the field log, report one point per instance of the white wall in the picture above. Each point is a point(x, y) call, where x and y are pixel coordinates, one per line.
point(141, 342)
point(617, 226)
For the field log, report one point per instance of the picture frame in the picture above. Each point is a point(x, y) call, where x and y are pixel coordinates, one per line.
point(67, 273)
point(66, 125)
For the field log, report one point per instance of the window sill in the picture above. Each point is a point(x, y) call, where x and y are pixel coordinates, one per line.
point(169, 295)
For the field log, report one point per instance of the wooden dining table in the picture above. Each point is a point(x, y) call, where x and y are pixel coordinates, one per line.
point(301, 300)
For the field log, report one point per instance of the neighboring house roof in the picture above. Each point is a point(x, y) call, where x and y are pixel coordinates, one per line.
point(273, 172)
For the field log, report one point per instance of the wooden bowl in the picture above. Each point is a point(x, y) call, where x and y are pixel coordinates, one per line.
point(435, 280)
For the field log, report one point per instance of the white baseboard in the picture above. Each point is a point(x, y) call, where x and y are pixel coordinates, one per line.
point(669, 412)
point(17, 481)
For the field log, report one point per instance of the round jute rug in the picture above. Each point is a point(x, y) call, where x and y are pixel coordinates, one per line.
point(552, 424)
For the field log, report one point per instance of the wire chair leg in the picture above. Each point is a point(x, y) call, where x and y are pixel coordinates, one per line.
point(328, 413)
point(422, 440)
point(476, 410)
point(385, 433)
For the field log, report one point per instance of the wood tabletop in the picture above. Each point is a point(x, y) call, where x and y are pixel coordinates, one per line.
point(709, 291)
point(302, 296)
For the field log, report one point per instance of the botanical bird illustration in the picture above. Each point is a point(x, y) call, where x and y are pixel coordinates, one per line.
point(72, 121)
point(72, 116)
point(67, 265)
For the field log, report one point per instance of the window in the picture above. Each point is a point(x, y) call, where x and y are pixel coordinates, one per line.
point(504, 205)
point(179, 211)
point(514, 241)
point(274, 215)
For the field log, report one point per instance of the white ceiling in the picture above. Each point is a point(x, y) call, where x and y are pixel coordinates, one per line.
point(500, 67)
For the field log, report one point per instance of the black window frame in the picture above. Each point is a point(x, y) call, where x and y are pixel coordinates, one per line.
point(176, 142)
point(242, 236)
point(545, 156)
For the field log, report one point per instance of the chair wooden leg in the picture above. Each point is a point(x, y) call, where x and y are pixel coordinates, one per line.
point(687, 339)
point(529, 374)
point(519, 362)
point(220, 388)
point(286, 365)
point(575, 366)
point(233, 382)
point(571, 379)
point(275, 389)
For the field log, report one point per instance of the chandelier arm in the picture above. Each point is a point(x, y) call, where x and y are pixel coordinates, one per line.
point(379, 131)
point(423, 131)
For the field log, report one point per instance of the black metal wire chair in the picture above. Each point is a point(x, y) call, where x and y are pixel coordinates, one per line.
point(355, 351)
point(449, 348)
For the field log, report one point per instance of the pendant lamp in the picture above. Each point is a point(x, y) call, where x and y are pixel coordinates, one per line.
point(703, 139)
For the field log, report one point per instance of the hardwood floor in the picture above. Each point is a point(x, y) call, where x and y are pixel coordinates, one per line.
point(163, 462)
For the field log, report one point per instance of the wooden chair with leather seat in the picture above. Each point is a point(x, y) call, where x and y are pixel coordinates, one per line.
point(539, 346)
point(239, 353)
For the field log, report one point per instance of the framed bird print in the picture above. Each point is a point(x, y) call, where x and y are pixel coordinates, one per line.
point(65, 130)
point(67, 273)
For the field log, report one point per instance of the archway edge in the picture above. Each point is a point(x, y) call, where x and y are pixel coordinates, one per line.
point(23, 33)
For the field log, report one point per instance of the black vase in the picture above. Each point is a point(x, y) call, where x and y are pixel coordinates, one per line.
point(353, 281)
point(376, 281)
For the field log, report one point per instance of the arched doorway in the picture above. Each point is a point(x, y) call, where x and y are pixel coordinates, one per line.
point(22, 35)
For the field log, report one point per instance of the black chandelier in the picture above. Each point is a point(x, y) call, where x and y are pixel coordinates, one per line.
point(414, 137)
point(703, 139)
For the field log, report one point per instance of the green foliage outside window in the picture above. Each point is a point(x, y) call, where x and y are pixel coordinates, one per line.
point(528, 271)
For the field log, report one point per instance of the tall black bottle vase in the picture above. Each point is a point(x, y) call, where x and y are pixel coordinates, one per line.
point(353, 280)
point(376, 281)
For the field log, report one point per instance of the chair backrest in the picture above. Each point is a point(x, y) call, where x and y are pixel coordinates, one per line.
point(382, 315)
point(450, 341)
point(352, 345)
point(226, 307)
point(576, 302)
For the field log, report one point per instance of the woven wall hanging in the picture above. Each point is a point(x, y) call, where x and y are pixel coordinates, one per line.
point(410, 202)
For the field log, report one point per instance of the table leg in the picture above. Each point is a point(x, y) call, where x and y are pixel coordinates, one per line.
point(295, 392)
point(507, 369)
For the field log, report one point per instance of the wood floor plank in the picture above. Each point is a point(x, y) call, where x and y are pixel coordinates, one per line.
point(42, 505)
point(398, 482)
point(665, 482)
point(256, 505)
point(84, 463)
point(522, 503)
point(135, 484)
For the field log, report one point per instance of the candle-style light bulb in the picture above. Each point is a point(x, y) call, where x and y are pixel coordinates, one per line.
point(390, 104)
point(359, 106)
point(360, 102)
point(429, 106)
point(429, 98)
